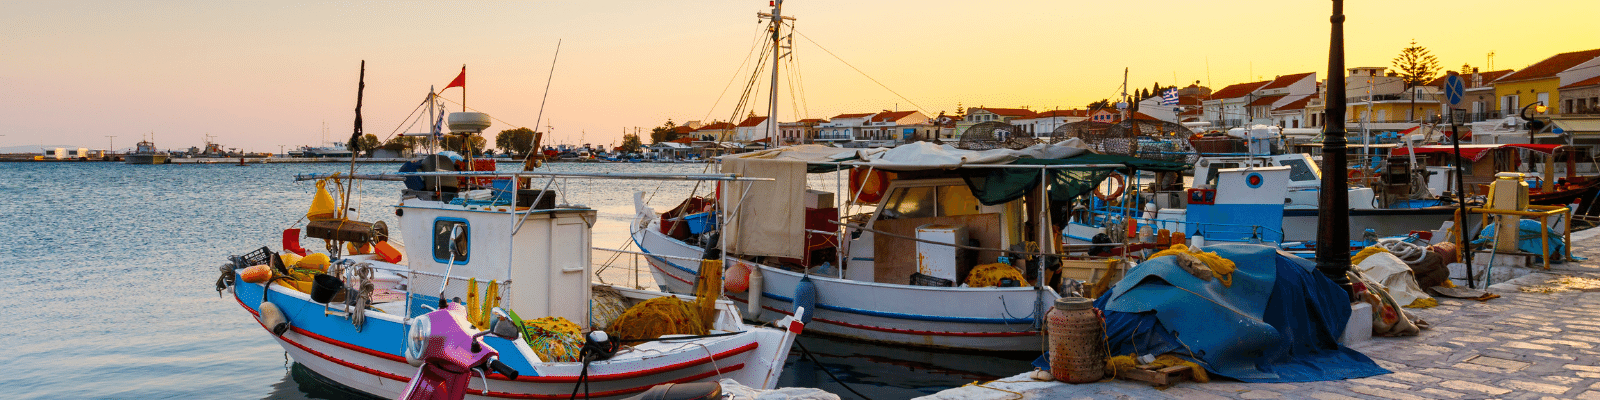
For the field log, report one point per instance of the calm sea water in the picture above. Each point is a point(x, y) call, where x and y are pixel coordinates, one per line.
point(108, 273)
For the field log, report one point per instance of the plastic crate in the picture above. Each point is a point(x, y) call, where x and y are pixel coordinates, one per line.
point(700, 223)
point(918, 279)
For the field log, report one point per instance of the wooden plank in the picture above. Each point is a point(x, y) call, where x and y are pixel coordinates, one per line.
point(1162, 377)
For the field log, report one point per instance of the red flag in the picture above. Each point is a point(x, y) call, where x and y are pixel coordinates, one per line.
point(461, 80)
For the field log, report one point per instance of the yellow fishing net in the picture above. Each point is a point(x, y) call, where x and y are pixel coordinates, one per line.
point(606, 306)
point(1367, 252)
point(554, 339)
point(1121, 364)
point(666, 315)
point(1221, 267)
point(989, 275)
point(706, 291)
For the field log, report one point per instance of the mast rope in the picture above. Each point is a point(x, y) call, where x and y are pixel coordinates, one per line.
point(858, 70)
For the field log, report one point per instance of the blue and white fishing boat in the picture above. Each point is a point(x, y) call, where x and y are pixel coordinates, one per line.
point(534, 259)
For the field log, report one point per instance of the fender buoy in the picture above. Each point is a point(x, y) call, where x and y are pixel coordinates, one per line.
point(871, 186)
point(1122, 184)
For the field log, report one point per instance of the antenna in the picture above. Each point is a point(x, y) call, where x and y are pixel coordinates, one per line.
point(1491, 60)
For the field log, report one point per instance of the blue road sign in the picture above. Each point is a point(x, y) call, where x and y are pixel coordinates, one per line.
point(1453, 89)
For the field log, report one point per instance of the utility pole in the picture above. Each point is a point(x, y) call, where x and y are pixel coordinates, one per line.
point(1333, 215)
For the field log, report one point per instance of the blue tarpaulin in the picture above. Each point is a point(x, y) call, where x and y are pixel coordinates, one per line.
point(1278, 322)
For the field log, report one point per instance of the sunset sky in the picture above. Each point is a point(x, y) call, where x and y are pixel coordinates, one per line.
point(258, 75)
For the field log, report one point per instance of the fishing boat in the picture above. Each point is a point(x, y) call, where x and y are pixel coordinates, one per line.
point(903, 273)
point(537, 257)
point(357, 313)
point(145, 153)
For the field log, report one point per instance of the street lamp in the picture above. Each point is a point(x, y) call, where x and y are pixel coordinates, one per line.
point(1333, 215)
point(1533, 124)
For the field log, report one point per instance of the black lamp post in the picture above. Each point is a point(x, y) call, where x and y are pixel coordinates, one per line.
point(1333, 217)
point(1533, 125)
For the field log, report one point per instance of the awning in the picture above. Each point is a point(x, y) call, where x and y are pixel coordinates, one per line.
point(1586, 126)
point(1476, 152)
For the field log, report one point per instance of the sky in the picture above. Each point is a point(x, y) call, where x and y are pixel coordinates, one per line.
point(260, 75)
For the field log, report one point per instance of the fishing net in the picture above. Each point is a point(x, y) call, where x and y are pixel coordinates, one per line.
point(606, 306)
point(554, 339)
point(666, 315)
point(989, 275)
point(706, 291)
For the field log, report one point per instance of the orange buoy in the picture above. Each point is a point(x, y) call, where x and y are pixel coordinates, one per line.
point(256, 274)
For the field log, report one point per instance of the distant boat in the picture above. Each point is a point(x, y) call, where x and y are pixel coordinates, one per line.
point(335, 149)
point(146, 153)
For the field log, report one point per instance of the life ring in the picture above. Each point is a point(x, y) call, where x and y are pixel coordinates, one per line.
point(1122, 184)
point(870, 186)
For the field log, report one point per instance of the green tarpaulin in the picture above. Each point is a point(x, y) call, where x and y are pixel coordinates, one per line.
point(995, 186)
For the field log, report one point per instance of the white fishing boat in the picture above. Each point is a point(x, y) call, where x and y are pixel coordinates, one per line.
point(907, 264)
point(533, 257)
point(540, 262)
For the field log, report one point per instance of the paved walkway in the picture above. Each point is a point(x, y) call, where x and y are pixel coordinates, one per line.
point(1520, 346)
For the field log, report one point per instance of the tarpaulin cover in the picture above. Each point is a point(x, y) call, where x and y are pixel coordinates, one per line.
point(1278, 322)
point(995, 186)
point(1528, 238)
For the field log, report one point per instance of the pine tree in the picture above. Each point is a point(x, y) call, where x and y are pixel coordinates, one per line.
point(1415, 65)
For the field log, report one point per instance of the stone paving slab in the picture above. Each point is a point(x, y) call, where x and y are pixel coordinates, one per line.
point(1519, 346)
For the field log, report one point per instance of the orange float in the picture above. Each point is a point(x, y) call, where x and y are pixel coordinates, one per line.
point(871, 186)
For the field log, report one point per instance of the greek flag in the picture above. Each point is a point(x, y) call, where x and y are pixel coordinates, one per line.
point(1169, 97)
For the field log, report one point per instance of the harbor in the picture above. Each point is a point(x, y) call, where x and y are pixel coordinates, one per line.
point(1330, 226)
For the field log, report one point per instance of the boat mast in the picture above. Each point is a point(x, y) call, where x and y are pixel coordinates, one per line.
point(777, 49)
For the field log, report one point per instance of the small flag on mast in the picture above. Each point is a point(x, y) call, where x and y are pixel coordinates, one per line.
point(1169, 97)
point(460, 81)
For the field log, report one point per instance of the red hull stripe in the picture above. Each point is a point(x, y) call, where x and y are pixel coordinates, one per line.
point(902, 331)
point(537, 379)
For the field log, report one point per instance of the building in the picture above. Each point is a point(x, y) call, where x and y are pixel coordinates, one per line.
point(1226, 108)
point(842, 128)
point(888, 128)
point(799, 132)
point(1292, 112)
point(713, 132)
point(751, 129)
point(980, 114)
point(1477, 99)
point(1538, 83)
point(1042, 124)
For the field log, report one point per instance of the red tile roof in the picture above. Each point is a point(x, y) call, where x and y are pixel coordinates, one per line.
point(1550, 66)
point(1238, 90)
point(752, 121)
point(1062, 113)
point(1586, 82)
point(682, 129)
point(891, 116)
point(1295, 105)
point(715, 127)
point(852, 115)
point(1285, 81)
point(1466, 79)
point(684, 140)
point(1265, 100)
point(816, 120)
point(1010, 112)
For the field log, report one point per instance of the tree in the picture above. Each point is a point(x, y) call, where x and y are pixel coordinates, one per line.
point(663, 133)
point(402, 145)
point(518, 141)
point(453, 143)
point(1099, 104)
point(1155, 90)
point(368, 143)
point(1415, 65)
point(630, 143)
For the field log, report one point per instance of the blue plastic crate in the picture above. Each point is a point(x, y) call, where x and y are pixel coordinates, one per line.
point(700, 223)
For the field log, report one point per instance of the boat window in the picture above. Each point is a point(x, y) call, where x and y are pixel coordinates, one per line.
point(1216, 169)
point(1299, 170)
point(957, 200)
point(443, 250)
point(911, 202)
